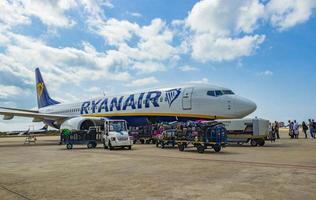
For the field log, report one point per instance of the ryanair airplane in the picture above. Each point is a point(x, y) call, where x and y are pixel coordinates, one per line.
point(179, 103)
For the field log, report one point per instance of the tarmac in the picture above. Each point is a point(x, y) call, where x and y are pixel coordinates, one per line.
point(285, 169)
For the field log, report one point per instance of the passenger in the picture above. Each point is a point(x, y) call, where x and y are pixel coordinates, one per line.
point(296, 129)
point(290, 125)
point(271, 132)
point(311, 128)
point(276, 129)
point(305, 128)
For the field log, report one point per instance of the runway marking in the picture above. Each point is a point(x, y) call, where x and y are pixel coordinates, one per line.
point(254, 163)
point(13, 192)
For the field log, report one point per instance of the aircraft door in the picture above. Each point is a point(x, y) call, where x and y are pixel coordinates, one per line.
point(187, 99)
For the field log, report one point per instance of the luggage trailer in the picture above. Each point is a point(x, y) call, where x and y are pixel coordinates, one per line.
point(241, 131)
point(209, 135)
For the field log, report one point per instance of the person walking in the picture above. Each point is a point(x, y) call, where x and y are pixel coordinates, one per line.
point(311, 128)
point(296, 129)
point(276, 129)
point(290, 125)
point(305, 128)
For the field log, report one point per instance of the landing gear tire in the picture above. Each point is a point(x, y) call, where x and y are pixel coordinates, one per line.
point(181, 147)
point(253, 143)
point(200, 148)
point(217, 148)
point(69, 146)
point(90, 145)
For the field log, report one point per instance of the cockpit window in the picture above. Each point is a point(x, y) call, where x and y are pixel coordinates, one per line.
point(228, 92)
point(211, 93)
point(218, 93)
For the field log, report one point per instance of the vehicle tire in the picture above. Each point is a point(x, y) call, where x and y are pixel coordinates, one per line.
point(157, 144)
point(129, 147)
point(69, 146)
point(181, 147)
point(162, 145)
point(104, 145)
point(261, 143)
point(134, 141)
point(217, 148)
point(95, 145)
point(142, 141)
point(90, 145)
point(147, 141)
point(200, 148)
point(253, 142)
point(110, 146)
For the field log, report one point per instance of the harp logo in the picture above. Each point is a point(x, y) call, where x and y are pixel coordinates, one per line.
point(172, 95)
point(40, 89)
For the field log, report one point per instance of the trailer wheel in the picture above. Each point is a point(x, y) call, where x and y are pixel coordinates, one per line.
point(110, 146)
point(104, 145)
point(69, 146)
point(217, 148)
point(90, 145)
point(181, 147)
point(253, 142)
point(200, 148)
point(261, 143)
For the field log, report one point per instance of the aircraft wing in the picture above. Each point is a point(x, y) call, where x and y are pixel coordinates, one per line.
point(37, 117)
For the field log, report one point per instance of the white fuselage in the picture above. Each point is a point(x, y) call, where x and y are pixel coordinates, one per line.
point(190, 102)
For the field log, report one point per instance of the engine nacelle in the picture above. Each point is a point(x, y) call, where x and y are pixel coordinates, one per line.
point(81, 123)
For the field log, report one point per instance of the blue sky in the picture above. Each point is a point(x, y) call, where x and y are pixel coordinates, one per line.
point(263, 50)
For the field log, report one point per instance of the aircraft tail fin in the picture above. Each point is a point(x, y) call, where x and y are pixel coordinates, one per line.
point(43, 98)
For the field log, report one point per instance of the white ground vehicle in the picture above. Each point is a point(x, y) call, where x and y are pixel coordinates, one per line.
point(240, 131)
point(116, 134)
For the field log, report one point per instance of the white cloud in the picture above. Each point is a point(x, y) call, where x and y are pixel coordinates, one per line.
point(51, 13)
point(187, 68)
point(202, 81)
point(224, 39)
point(144, 82)
point(205, 47)
point(223, 17)
point(266, 73)
point(65, 65)
point(148, 67)
point(10, 90)
point(285, 14)
point(136, 14)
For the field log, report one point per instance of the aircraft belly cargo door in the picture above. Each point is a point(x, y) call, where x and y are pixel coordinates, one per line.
point(187, 99)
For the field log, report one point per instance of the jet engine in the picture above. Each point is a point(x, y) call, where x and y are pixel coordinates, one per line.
point(81, 123)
